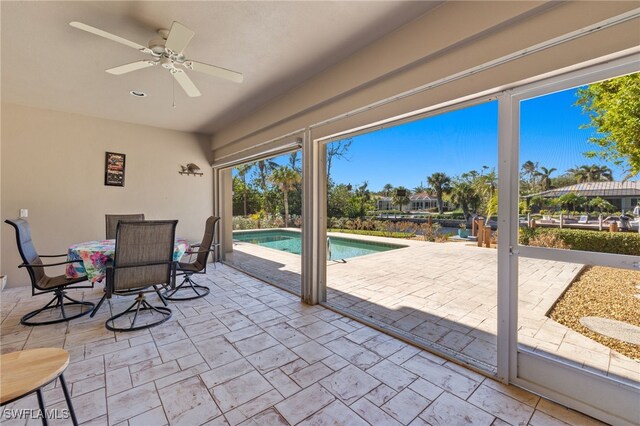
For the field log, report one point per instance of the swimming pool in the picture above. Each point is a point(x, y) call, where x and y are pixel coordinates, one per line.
point(289, 241)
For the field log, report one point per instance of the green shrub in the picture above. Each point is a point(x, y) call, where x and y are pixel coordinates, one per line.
point(598, 241)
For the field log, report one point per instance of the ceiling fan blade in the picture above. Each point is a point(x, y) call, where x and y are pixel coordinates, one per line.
point(178, 38)
point(214, 71)
point(186, 83)
point(109, 36)
point(133, 66)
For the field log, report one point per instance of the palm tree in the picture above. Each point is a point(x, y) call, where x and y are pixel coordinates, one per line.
point(545, 177)
point(578, 173)
point(464, 195)
point(420, 188)
point(531, 169)
point(286, 179)
point(264, 168)
point(606, 173)
point(591, 173)
point(386, 189)
point(362, 197)
point(439, 183)
point(399, 199)
point(294, 161)
point(243, 171)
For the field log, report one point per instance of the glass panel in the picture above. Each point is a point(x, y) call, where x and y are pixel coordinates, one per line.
point(580, 160)
point(267, 210)
point(401, 203)
point(584, 315)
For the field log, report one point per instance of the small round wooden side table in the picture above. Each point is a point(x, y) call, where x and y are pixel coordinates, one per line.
point(25, 372)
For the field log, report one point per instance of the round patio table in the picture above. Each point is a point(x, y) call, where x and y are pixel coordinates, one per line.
point(28, 371)
point(96, 255)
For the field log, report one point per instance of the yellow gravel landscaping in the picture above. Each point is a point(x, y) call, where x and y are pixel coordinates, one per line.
point(606, 293)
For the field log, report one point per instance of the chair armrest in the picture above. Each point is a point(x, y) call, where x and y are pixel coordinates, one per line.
point(52, 255)
point(198, 251)
point(30, 265)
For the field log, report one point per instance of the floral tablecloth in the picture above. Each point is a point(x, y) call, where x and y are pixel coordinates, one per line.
point(95, 256)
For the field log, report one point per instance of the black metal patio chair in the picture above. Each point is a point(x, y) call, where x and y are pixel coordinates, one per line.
point(143, 262)
point(113, 219)
point(41, 283)
point(199, 266)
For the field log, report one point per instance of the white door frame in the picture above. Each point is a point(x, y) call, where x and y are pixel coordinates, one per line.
point(602, 397)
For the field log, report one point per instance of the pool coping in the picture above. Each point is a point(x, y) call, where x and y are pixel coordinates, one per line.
point(402, 242)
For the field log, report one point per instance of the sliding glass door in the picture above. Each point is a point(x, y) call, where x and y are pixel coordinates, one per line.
point(574, 244)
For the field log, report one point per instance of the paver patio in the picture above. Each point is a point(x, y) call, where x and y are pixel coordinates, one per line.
point(444, 296)
point(252, 354)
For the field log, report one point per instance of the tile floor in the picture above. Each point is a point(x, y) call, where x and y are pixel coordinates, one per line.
point(444, 296)
point(252, 354)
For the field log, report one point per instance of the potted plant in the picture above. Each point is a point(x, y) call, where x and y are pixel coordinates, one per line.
point(463, 232)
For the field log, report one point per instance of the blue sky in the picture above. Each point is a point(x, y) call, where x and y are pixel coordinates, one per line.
point(466, 139)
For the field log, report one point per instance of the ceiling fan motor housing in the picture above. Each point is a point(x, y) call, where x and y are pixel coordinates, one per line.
point(157, 46)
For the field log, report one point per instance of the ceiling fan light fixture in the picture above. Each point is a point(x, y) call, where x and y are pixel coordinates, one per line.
point(138, 94)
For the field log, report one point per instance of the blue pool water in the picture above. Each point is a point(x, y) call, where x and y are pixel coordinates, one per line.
point(289, 241)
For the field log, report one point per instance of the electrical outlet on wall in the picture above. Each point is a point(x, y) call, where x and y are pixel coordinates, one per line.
point(24, 212)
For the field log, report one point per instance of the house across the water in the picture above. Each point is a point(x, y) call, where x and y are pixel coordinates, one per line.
point(417, 202)
point(623, 195)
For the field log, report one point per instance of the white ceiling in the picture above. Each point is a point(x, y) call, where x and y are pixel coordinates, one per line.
point(277, 45)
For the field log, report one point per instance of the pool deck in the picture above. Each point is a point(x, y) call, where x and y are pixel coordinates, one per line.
point(444, 295)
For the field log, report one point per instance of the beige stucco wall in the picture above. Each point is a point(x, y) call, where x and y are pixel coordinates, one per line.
point(52, 163)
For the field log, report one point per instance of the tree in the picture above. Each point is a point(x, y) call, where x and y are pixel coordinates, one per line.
point(464, 194)
point(420, 188)
point(335, 150)
point(545, 177)
point(602, 205)
point(613, 107)
point(400, 200)
point(386, 189)
point(362, 199)
point(486, 186)
point(572, 200)
point(439, 183)
point(565, 179)
point(264, 169)
point(591, 173)
point(338, 201)
point(246, 199)
point(537, 202)
point(286, 179)
point(578, 173)
point(294, 161)
point(243, 171)
point(529, 168)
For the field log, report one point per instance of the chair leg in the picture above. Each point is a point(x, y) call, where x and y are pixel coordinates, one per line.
point(187, 283)
point(164, 302)
point(139, 305)
point(67, 396)
point(95, 310)
point(58, 299)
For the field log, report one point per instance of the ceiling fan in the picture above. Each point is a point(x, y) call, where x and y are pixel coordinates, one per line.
point(166, 51)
